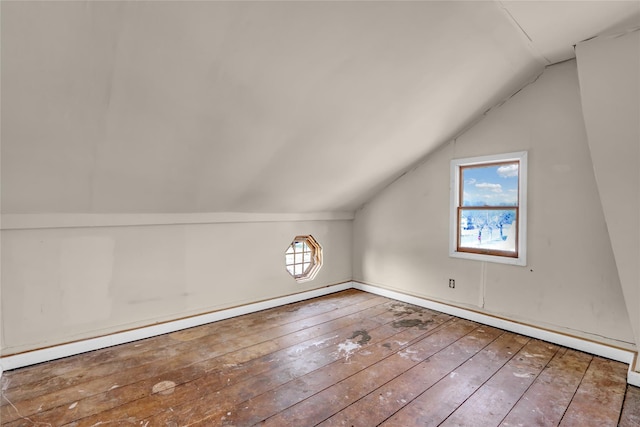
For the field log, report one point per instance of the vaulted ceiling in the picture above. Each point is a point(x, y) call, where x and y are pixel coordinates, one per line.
point(180, 106)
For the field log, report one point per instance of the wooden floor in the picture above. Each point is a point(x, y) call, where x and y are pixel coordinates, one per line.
point(346, 359)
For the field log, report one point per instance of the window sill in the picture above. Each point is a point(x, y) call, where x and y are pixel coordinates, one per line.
point(521, 261)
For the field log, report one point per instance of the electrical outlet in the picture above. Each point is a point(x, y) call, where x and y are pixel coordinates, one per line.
point(452, 283)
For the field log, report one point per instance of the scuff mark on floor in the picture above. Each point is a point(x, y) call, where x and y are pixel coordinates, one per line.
point(317, 344)
point(525, 375)
point(164, 388)
point(21, 416)
point(403, 309)
point(408, 354)
point(528, 355)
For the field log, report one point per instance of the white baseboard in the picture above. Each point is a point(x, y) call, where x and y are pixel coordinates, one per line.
point(603, 350)
point(70, 349)
point(64, 350)
point(633, 377)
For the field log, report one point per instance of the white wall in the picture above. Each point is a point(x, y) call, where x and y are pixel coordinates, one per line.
point(571, 282)
point(64, 284)
point(214, 106)
point(609, 69)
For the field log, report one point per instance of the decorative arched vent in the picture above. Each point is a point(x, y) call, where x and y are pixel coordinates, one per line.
point(303, 258)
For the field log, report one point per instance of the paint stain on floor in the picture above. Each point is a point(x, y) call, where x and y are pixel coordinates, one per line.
point(364, 337)
point(348, 348)
point(350, 345)
point(412, 323)
point(400, 309)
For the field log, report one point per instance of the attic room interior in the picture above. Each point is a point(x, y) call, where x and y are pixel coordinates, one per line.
point(320, 213)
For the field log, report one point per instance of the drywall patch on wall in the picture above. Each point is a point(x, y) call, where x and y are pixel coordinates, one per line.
point(58, 282)
point(86, 273)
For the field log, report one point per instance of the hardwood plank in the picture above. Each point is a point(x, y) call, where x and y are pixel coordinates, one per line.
point(48, 376)
point(254, 359)
point(492, 402)
point(349, 358)
point(373, 394)
point(235, 373)
point(381, 403)
point(545, 402)
point(450, 392)
point(598, 400)
point(368, 369)
point(630, 416)
point(212, 409)
point(184, 354)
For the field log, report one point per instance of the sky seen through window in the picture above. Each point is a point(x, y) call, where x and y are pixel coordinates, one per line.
point(490, 185)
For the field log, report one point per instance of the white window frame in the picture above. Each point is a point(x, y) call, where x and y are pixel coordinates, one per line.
point(454, 191)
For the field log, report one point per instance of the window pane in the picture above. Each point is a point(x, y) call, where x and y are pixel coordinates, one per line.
point(492, 185)
point(303, 258)
point(490, 229)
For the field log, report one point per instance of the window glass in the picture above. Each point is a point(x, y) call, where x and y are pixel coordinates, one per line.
point(493, 185)
point(491, 229)
point(303, 258)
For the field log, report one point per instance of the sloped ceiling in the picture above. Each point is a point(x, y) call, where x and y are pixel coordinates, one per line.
point(136, 107)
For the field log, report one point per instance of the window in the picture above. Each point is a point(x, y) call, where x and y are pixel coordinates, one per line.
point(488, 208)
point(303, 258)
